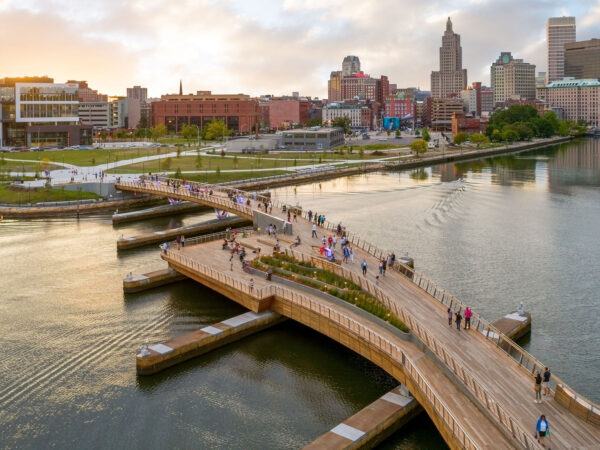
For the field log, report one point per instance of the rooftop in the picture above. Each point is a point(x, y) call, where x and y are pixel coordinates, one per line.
point(572, 82)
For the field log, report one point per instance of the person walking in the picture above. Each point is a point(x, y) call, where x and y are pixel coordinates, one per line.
point(449, 317)
point(231, 262)
point(314, 230)
point(546, 381)
point(380, 267)
point(538, 388)
point(310, 215)
point(351, 255)
point(377, 280)
point(183, 240)
point(458, 319)
point(384, 262)
point(542, 429)
point(251, 284)
point(363, 266)
point(468, 314)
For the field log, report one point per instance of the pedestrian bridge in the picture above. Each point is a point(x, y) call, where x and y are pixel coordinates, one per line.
point(477, 385)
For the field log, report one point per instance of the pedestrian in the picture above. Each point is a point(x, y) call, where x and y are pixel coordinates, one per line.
point(346, 254)
point(351, 255)
point(468, 314)
point(542, 429)
point(314, 230)
point(546, 381)
point(449, 317)
point(231, 262)
point(178, 240)
point(377, 280)
point(380, 267)
point(329, 241)
point(251, 284)
point(384, 262)
point(295, 216)
point(334, 241)
point(538, 388)
point(363, 266)
point(183, 240)
point(310, 215)
point(458, 319)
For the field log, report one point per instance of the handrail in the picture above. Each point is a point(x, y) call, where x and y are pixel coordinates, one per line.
point(351, 325)
point(490, 332)
point(471, 382)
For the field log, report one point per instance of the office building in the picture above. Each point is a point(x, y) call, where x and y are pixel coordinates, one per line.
point(487, 101)
point(471, 98)
point(582, 59)
point(286, 112)
point(350, 66)
point(334, 86)
point(540, 80)
point(578, 99)
point(95, 114)
point(512, 78)
point(40, 114)
point(238, 111)
point(559, 31)
point(312, 139)
point(361, 116)
point(451, 78)
point(442, 110)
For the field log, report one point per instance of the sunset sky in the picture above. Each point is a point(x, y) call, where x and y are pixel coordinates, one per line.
point(267, 46)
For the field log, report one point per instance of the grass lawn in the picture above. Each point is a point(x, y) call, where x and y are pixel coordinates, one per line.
point(88, 157)
point(17, 168)
point(13, 195)
point(231, 176)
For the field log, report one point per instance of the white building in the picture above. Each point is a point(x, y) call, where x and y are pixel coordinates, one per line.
point(360, 116)
point(96, 114)
point(559, 31)
point(512, 79)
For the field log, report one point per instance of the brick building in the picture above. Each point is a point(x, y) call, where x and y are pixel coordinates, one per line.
point(239, 111)
point(442, 110)
point(461, 123)
point(287, 112)
point(579, 99)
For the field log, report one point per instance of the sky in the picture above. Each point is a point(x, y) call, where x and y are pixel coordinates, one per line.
point(268, 46)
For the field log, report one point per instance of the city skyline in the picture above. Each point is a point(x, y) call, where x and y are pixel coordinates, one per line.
point(267, 47)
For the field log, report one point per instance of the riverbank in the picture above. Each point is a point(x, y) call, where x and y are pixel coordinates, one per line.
point(321, 174)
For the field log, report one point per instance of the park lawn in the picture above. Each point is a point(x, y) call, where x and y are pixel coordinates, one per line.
point(90, 157)
point(230, 176)
point(20, 167)
point(13, 195)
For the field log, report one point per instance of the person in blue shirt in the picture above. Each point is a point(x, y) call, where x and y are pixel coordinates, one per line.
point(542, 429)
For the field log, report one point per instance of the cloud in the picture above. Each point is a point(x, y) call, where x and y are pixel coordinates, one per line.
point(267, 46)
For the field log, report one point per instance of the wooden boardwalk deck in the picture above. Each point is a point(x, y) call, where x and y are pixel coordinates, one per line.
point(475, 368)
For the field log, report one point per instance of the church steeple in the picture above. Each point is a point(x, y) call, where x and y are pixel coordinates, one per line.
point(180, 88)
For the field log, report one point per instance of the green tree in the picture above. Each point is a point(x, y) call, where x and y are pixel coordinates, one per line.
point(103, 136)
point(343, 123)
point(544, 127)
point(121, 134)
point(397, 133)
point(524, 131)
point(417, 133)
point(418, 146)
point(315, 122)
point(216, 130)
point(509, 135)
point(189, 132)
point(551, 117)
point(178, 150)
point(425, 135)
point(461, 138)
point(158, 131)
point(166, 165)
point(389, 132)
point(479, 139)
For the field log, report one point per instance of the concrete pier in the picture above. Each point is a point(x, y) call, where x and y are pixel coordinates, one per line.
point(182, 348)
point(212, 226)
point(513, 325)
point(138, 283)
point(372, 424)
point(163, 210)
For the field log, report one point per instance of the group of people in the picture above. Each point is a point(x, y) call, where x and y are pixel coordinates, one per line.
point(542, 385)
point(319, 219)
point(458, 318)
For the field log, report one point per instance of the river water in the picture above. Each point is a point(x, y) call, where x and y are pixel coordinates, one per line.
point(492, 232)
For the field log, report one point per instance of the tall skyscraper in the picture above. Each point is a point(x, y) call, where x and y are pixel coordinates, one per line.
point(451, 78)
point(334, 86)
point(350, 65)
point(582, 59)
point(512, 79)
point(559, 31)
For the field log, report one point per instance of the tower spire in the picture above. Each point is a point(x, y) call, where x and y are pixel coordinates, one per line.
point(449, 25)
point(180, 88)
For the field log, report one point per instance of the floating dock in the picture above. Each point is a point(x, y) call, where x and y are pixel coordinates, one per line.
point(188, 346)
point(212, 226)
point(158, 211)
point(372, 424)
point(513, 325)
point(138, 283)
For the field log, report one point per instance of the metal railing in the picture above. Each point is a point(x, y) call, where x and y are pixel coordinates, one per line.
point(350, 325)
